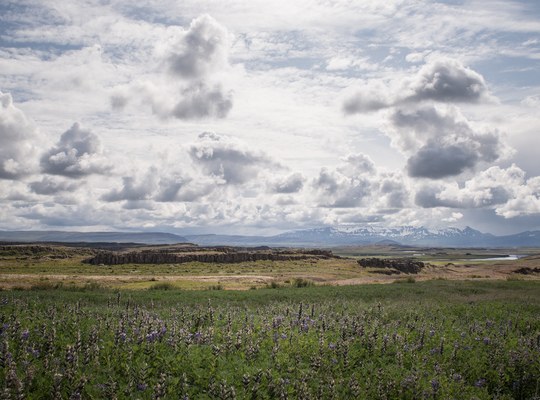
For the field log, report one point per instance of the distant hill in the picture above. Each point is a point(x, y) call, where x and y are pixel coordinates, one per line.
point(368, 235)
point(91, 237)
point(320, 237)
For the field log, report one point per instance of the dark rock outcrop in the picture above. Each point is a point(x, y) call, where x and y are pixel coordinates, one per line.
point(24, 251)
point(205, 255)
point(527, 271)
point(405, 265)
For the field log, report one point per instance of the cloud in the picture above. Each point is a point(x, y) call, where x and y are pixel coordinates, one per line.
point(345, 187)
point(199, 51)
point(133, 189)
point(228, 159)
point(356, 183)
point(200, 101)
point(339, 63)
point(119, 101)
point(525, 199)
point(446, 80)
point(435, 161)
point(531, 101)
point(441, 142)
point(77, 154)
point(357, 164)
point(441, 80)
point(184, 189)
point(189, 83)
point(372, 96)
point(18, 137)
point(159, 185)
point(393, 192)
point(290, 184)
point(50, 186)
point(490, 188)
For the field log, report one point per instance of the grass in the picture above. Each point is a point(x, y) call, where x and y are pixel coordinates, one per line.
point(29, 271)
point(435, 291)
point(162, 286)
point(434, 339)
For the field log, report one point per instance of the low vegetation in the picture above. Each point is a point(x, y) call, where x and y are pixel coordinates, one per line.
point(430, 340)
point(36, 266)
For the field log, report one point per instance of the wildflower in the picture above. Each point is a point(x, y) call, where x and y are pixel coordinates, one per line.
point(408, 381)
point(480, 383)
point(151, 337)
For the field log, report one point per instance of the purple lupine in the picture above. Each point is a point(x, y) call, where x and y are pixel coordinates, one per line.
point(457, 377)
point(480, 383)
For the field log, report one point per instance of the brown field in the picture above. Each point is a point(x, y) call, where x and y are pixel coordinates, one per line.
point(46, 266)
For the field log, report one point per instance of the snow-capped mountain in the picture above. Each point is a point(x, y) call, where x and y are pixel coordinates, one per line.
point(369, 234)
point(318, 237)
point(407, 235)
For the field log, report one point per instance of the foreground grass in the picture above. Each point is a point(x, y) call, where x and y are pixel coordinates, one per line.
point(438, 339)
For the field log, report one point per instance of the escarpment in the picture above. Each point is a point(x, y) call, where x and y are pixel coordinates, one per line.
point(405, 265)
point(205, 255)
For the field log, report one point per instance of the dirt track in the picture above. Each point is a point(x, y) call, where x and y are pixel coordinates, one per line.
point(11, 280)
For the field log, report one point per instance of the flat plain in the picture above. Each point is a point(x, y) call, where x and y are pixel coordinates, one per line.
point(26, 266)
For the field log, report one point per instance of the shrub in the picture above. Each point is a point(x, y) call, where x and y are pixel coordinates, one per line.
point(162, 286)
point(409, 279)
point(273, 285)
point(46, 286)
point(301, 282)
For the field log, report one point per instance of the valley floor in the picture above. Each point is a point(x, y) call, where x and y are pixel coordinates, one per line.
point(53, 266)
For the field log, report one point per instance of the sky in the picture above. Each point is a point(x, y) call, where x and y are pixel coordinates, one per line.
point(258, 117)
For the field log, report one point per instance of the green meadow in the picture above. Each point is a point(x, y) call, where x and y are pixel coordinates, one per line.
point(410, 340)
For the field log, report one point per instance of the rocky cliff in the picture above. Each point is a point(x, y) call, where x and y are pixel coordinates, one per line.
point(405, 265)
point(206, 255)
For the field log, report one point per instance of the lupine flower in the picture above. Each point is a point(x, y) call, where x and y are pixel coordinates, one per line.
point(480, 383)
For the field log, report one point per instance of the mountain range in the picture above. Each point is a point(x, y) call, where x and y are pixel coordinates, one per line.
point(365, 235)
point(319, 237)
point(91, 237)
